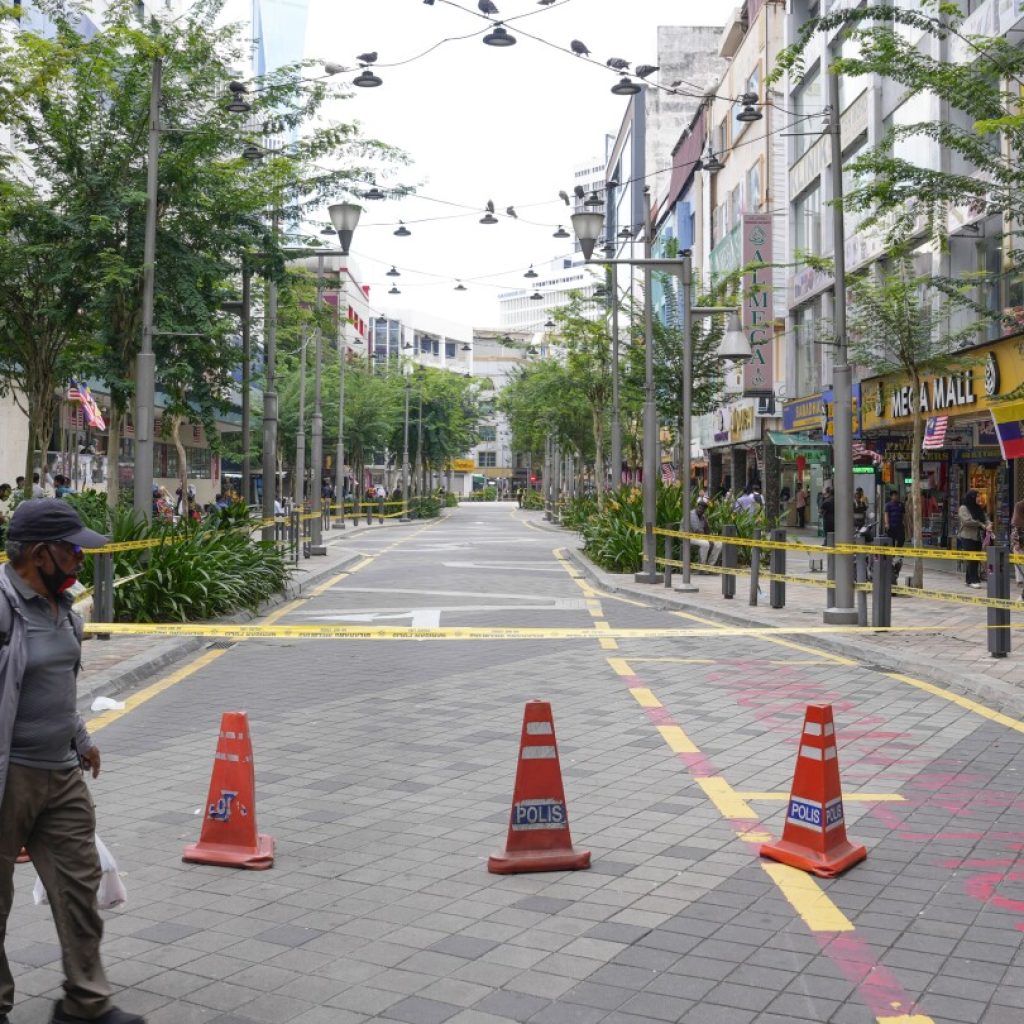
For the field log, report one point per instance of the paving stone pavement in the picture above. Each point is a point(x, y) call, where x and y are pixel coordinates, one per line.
point(385, 770)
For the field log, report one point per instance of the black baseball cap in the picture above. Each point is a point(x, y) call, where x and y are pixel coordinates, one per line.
point(51, 519)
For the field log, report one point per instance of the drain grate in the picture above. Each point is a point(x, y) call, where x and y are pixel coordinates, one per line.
point(220, 645)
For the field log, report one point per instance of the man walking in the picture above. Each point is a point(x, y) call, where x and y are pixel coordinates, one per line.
point(45, 804)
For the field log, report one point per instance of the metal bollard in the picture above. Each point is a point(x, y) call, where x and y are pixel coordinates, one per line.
point(369, 513)
point(860, 575)
point(103, 591)
point(668, 567)
point(380, 512)
point(881, 585)
point(830, 569)
point(755, 570)
point(998, 587)
point(729, 562)
point(777, 564)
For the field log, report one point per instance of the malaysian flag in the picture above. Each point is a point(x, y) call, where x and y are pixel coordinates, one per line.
point(668, 473)
point(90, 410)
point(935, 432)
point(861, 451)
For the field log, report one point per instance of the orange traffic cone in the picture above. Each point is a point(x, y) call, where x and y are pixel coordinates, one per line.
point(229, 835)
point(814, 838)
point(538, 830)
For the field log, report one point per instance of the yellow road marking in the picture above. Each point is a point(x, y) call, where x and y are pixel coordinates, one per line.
point(906, 1018)
point(678, 741)
point(964, 702)
point(620, 667)
point(730, 804)
point(105, 719)
point(755, 837)
point(644, 697)
point(606, 643)
point(805, 896)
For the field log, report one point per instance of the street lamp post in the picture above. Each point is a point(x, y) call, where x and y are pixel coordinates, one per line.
point(345, 218)
point(843, 613)
point(316, 545)
point(734, 348)
point(270, 407)
point(298, 490)
point(407, 373)
point(145, 361)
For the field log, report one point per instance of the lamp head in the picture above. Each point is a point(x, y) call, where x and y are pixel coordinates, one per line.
point(589, 228)
point(735, 346)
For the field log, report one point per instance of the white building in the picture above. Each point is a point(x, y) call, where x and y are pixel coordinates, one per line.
point(529, 309)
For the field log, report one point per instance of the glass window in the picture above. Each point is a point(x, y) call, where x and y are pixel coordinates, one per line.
point(808, 104)
point(488, 433)
point(484, 459)
point(753, 187)
point(449, 349)
point(807, 222)
point(808, 350)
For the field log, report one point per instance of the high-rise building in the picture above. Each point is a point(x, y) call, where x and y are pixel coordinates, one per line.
point(279, 33)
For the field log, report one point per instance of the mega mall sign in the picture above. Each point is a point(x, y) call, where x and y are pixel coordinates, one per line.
point(981, 374)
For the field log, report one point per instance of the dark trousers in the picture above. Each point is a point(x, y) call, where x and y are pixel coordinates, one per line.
point(51, 814)
point(973, 568)
point(801, 517)
point(898, 536)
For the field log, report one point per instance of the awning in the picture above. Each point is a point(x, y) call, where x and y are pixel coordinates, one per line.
point(781, 440)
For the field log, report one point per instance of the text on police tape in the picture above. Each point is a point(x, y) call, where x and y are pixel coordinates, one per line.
point(528, 815)
point(809, 813)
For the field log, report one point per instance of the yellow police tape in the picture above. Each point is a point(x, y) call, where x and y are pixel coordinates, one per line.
point(341, 632)
point(926, 595)
point(821, 549)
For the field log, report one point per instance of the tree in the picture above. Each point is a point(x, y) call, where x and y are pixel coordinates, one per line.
point(81, 105)
point(542, 400)
point(588, 361)
point(44, 337)
point(898, 324)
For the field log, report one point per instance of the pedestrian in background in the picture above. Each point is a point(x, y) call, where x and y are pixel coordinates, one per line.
point(801, 506)
point(860, 508)
point(1017, 542)
point(895, 520)
point(699, 524)
point(827, 513)
point(5, 509)
point(974, 524)
point(45, 748)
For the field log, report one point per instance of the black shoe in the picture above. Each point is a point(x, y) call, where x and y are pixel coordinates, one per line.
point(4, 1019)
point(112, 1016)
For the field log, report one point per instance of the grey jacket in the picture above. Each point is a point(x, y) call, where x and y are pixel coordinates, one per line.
point(12, 669)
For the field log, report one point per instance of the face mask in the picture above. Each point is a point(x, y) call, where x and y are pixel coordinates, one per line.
point(57, 580)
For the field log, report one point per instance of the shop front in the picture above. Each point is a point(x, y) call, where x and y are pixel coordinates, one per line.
point(961, 447)
point(735, 452)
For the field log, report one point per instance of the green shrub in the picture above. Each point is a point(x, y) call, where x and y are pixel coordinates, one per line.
point(196, 571)
point(451, 500)
point(533, 500)
point(613, 538)
point(578, 511)
point(427, 507)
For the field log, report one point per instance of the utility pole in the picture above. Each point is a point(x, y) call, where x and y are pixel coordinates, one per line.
point(145, 361)
point(339, 457)
point(686, 443)
point(844, 612)
point(616, 454)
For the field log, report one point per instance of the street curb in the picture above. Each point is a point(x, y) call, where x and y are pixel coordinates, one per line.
point(164, 653)
point(996, 695)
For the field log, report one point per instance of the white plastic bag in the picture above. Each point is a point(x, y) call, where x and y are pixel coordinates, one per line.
point(111, 892)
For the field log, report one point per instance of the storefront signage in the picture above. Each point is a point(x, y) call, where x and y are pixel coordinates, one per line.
point(802, 414)
point(736, 423)
point(758, 313)
point(463, 465)
point(982, 374)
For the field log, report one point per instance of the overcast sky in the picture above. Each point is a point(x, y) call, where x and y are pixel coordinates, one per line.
point(478, 123)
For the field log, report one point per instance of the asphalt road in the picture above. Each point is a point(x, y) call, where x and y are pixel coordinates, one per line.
point(385, 765)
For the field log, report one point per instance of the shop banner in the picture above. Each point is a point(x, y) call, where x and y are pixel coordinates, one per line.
point(758, 312)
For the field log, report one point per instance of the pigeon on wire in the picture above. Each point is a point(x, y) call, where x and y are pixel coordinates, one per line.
point(564, 196)
point(490, 206)
point(580, 49)
point(511, 211)
point(617, 63)
point(675, 85)
point(368, 58)
point(431, 2)
point(486, 7)
point(545, 3)
point(643, 70)
point(579, 191)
